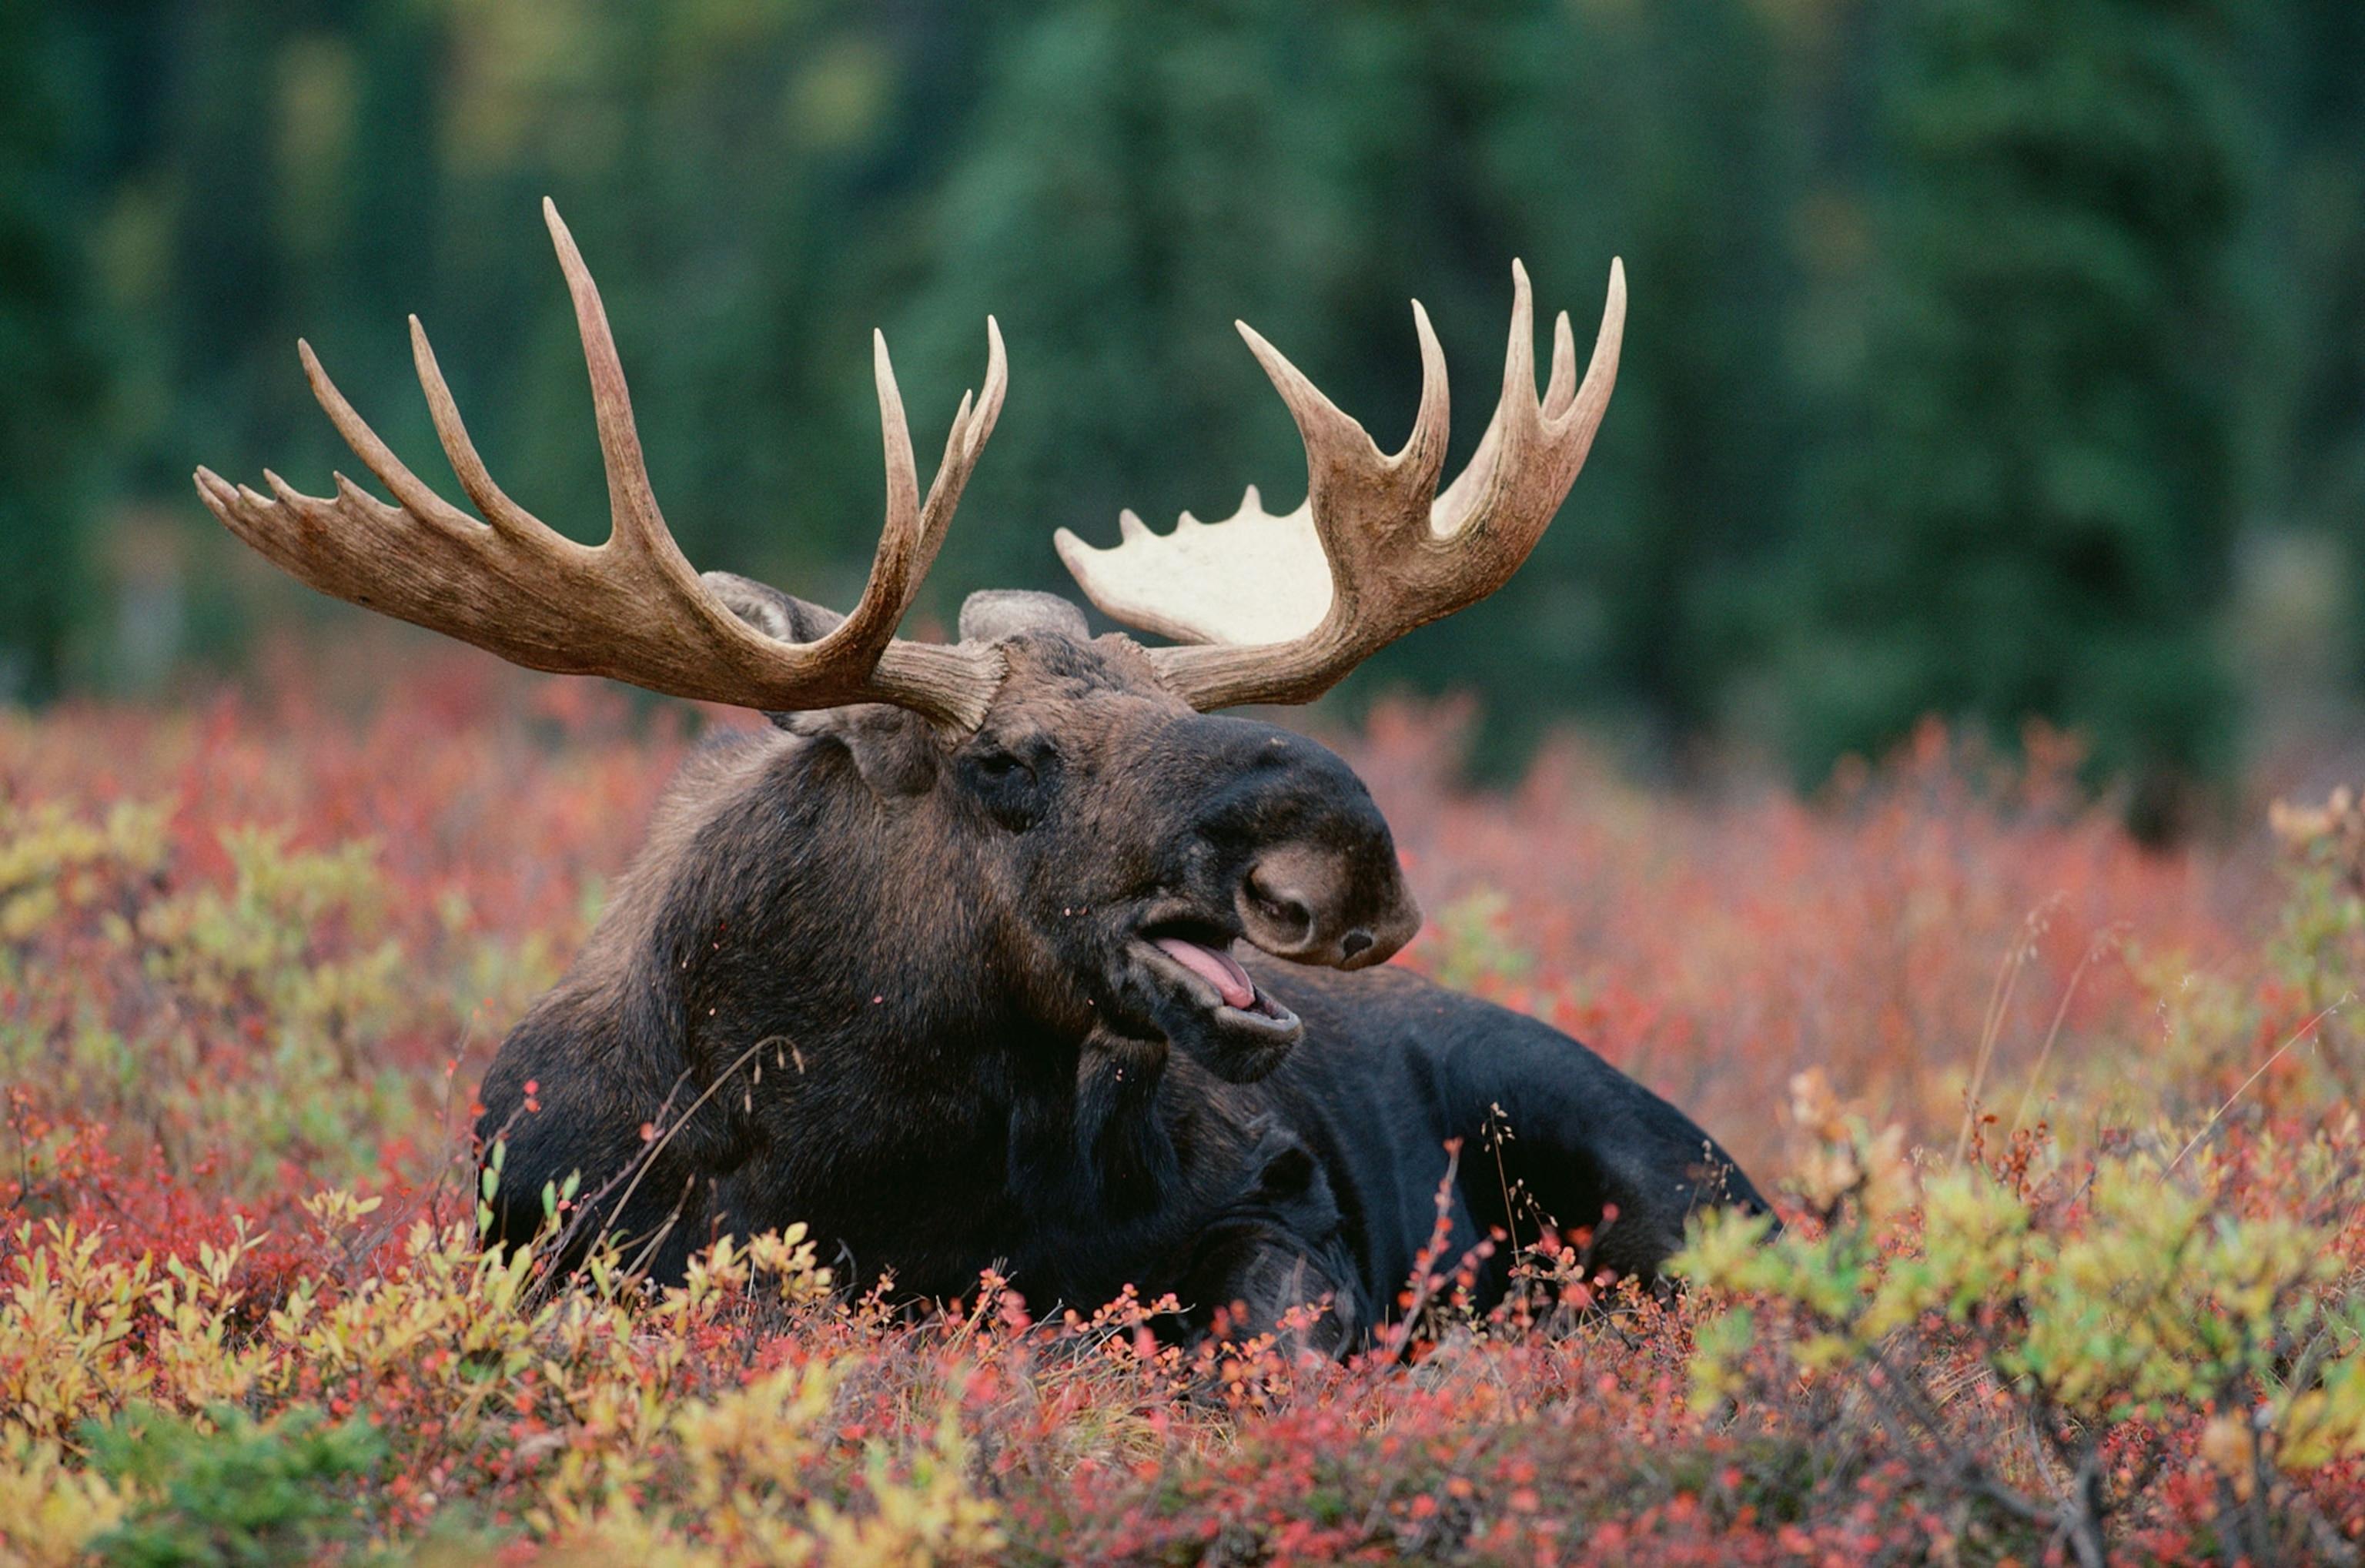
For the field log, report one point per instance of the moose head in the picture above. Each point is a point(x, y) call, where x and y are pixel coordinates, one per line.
point(1098, 835)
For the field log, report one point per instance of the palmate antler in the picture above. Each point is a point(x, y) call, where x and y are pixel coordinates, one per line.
point(633, 608)
point(1281, 607)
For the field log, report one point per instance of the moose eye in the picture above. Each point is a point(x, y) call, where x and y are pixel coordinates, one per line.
point(1011, 783)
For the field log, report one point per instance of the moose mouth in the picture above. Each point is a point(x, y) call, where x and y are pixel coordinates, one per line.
point(1200, 999)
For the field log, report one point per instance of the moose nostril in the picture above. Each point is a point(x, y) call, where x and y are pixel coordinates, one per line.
point(1355, 942)
point(1292, 916)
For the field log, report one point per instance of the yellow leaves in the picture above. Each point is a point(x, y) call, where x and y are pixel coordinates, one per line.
point(2327, 1422)
point(751, 1456)
point(1474, 948)
point(2230, 1448)
point(260, 938)
point(62, 1324)
point(1815, 1107)
point(781, 1262)
point(234, 1008)
point(2341, 815)
point(449, 1312)
point(2152, 1288)
point(1974, 1243)
point(1844, 1158)
point(50, 1511)
point(929, 1517)
point(1725, 1247)
point(335, 1209)
point(751, 1447)
point(719, 1269)
point(742, 1469)
point(1888, 1175)
point(2162, 1295)
point(193, 1307)
point(1823, 1352)
point(629, 1449)
point(52, 860)
point(787, 1259)
point(2307, 1431)
point(1826, 1173)
point(68, 1322)
point(2332, 833)
point(1719, 1345)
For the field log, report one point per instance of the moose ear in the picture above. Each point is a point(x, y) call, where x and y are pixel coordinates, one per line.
point(776, 614)
point(991, 614)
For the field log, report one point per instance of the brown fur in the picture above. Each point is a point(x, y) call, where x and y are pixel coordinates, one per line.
point(894, 982)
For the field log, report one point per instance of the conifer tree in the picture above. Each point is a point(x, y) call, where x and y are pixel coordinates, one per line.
point(2036, 517)
point(1133, 179)
point(50, 390)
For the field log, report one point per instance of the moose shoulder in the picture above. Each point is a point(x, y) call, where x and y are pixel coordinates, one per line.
point(1014, 951)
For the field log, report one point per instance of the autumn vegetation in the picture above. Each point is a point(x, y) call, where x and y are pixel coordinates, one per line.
point(2070, 1179)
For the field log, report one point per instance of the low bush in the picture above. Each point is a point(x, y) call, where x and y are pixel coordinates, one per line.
point(2066, 1273)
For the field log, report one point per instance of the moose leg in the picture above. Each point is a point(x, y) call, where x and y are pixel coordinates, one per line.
point(1273, 1259)
point(613, 1164)
point(657, 1213)
point(1095, 1179)
point(1249, 1276)
point(1553, 1135)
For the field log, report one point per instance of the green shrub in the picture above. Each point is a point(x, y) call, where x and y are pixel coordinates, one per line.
point(227, 1490)
point(2036, 1345)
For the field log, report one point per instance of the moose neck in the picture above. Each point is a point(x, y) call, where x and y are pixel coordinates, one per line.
point(825, 926)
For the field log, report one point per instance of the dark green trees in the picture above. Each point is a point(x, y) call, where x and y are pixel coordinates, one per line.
point(49, 385)
point(1936, 396)
point(2033, 517)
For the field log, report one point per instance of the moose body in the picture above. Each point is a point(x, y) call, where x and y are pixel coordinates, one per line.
point(847, 983)
point(1319, 1184)
point(949, 966)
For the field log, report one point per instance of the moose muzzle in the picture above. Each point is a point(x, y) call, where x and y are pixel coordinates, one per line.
point(1288, 853)
point(1315, 906)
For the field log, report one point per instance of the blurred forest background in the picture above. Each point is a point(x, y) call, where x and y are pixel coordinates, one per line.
point(1997, 358)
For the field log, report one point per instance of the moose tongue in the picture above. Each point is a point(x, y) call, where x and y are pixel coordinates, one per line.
point(1219, 970)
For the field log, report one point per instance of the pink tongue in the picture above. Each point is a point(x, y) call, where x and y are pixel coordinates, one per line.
point(1219, 970)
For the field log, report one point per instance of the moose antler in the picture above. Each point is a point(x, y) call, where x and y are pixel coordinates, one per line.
point(1283, 606)
point(633, 608)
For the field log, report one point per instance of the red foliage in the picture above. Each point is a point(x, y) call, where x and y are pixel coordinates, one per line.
point(1945, 919)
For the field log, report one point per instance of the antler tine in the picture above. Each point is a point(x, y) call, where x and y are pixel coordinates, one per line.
point(414, 494)
point(964, 444)
point(1277, 623)
point(1431, 423)
point(632, 608)
point(1338, 449)
point(936, 518)
point(1592, 400)
point(488, 498)
point(1564, 371)
point(1327, 430)
point(637, 523)
point(913, 530)
point(1511, 431)
point(888, 593)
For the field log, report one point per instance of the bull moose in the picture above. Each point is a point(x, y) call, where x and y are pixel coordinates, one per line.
point(1014, 951)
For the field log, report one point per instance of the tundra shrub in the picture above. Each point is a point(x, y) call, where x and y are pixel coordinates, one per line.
point(2038, 1347)
point(229, 1180)
point(226, 1490)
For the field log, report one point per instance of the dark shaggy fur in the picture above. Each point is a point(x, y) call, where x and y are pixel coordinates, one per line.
point(896, 984)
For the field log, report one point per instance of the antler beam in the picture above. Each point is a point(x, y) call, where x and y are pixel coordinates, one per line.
point(1281, 607)
point(632, 609)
